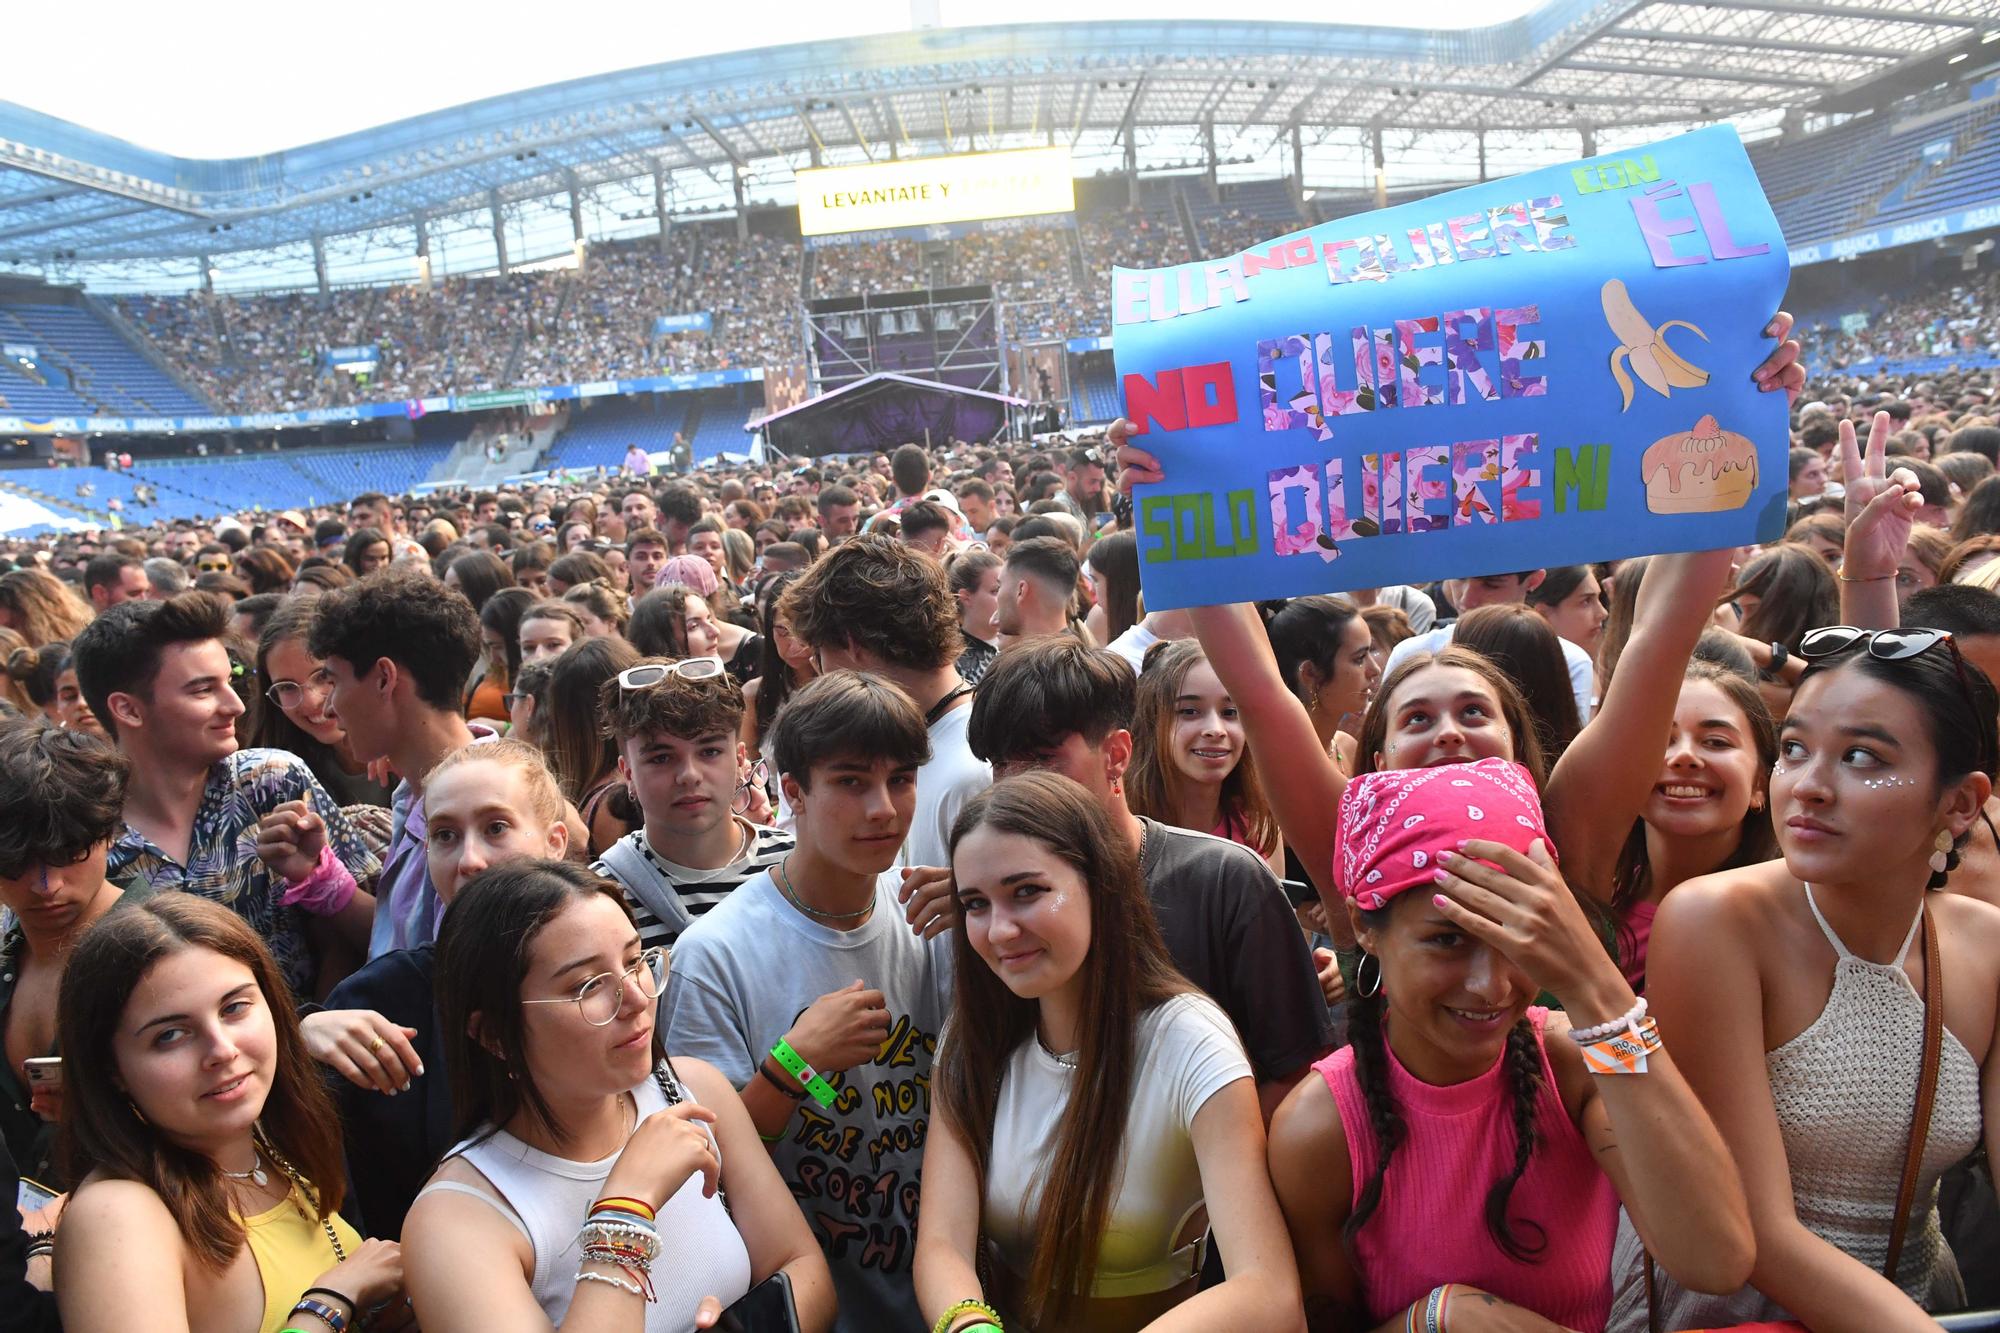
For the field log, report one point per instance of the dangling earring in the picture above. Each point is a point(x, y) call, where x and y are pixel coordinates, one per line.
point(1941, 857)
point(137, 1112)
point(1361, 986)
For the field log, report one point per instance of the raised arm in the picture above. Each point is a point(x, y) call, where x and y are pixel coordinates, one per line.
point(1706, 990)
point(1601, 783)
point(1881, 507)
point(1299, 777)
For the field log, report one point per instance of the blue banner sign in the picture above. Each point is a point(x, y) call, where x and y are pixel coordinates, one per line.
point(1980, 217)
point(695, 321)
point(352, 356)
point(1544, 370)
point(403, 407)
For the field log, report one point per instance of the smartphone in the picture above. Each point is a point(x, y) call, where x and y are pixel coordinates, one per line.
point(44, 1071)
point(1299, 893)
point(31, 1196)
point(765, 1308)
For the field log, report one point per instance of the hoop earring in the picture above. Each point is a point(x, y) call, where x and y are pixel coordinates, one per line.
point(1361, 986)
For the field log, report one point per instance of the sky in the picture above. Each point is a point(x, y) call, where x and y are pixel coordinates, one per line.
point(226, 78)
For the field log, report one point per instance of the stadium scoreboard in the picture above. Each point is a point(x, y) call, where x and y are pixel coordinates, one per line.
point(968, 187)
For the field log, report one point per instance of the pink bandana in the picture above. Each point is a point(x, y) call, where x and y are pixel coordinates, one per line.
point(1393, 824)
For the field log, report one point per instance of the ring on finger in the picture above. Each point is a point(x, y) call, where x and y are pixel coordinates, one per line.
point(375, 1044)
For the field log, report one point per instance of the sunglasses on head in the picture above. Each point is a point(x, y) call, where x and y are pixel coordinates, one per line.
point(1887, 645)
point(648, 674)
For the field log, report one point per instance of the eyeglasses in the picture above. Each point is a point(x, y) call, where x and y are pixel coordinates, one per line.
point(289, 694)
point(1893, 645)
point(760, 776)
point(211, 566)
point(648, 674)
point(514, 699)
point(601, 997)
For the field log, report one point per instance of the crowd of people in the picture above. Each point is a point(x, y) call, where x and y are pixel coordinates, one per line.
point(1957, 319)
point(828, 898)
point(267, 353)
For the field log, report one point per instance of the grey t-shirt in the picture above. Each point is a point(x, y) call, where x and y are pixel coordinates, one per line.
point(742, 974)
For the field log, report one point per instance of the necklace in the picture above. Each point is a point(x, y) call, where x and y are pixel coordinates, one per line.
point(785, 883)
point(256, 1175)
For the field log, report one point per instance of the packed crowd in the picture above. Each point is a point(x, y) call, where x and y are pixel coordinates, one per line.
point(892, 265)
point(1955, 320)
point(829, 898)
point(267, 353)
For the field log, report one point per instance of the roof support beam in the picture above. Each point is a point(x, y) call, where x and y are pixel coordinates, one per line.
point(1823, 9)
point(1711, 73)
point(728, 150)
point(854, 127)
point(1753, 43)
point(1565, 49)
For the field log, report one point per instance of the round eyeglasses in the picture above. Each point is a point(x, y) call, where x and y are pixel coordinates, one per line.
point(289, 694)
point(601, 997)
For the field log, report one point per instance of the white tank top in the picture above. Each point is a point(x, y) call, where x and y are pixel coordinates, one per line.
point(546, 1197)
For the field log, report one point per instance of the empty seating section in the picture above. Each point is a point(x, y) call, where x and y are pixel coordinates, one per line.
point(600, 432)
point(80, 366)
point(211, 487)
point(1093, 391)
point(1877, 171)
point(720, 430)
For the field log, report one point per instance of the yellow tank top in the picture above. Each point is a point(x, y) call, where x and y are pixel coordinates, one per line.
point(291, 1249)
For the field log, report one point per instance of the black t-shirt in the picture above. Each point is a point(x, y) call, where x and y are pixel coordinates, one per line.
point(1232, 933)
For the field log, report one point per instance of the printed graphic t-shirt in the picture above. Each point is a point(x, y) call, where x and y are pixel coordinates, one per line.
point(742, 973)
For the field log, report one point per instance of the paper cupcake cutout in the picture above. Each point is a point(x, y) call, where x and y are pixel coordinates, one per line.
point(1706, 470)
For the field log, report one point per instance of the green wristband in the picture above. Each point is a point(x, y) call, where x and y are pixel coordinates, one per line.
point(809, 1078)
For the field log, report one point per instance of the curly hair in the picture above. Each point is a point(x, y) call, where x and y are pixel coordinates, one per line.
point(881, 597)
point(405, 616)
point(64, 793)
point(688, 709)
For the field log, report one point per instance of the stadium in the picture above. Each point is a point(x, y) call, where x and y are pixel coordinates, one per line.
point(538, 281)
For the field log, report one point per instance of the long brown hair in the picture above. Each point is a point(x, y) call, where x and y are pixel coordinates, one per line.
point(1153, 783)
point(483, 954)
point(1756, 840)
point(579, 752)
point(1513, 708)
point(47, 609)
point(102, 1132)
point(1128, 972)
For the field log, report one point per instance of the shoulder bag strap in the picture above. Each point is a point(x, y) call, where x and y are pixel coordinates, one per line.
point(1913, 1160)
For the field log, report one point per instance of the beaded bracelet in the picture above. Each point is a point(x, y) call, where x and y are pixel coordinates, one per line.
point(943, 1324)
point(608, 1281)
point(1627, 1021)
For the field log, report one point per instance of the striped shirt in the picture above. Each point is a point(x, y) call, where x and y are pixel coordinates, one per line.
point(696, 890)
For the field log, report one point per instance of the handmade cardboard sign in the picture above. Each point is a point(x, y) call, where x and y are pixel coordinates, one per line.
point(1543, 370)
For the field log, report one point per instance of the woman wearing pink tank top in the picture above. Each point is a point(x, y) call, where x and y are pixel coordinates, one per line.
point(1462, 1163)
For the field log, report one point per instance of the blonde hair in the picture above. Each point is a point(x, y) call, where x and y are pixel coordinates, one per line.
point(545, 796)
point(601, 602)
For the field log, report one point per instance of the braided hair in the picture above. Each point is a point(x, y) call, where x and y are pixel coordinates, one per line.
point(1521, 1239)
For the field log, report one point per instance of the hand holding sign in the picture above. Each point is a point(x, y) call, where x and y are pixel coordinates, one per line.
point(1516, 374)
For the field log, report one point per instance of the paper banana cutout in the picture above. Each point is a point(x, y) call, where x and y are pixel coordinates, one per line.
point(1658, 365)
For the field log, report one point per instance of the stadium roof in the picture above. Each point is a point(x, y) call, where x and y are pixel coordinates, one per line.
point(72, 197)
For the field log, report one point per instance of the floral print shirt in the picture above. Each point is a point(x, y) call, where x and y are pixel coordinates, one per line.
point(222, 863)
